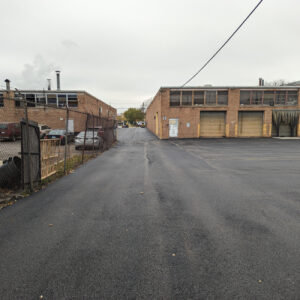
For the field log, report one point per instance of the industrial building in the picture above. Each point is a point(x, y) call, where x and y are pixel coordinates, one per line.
point(215, 112)
point(79, 101)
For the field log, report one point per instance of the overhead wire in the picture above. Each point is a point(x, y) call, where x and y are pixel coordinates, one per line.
point(216, 53)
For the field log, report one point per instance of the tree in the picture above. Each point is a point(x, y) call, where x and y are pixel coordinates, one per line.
point(133, 115)
point(278, 82)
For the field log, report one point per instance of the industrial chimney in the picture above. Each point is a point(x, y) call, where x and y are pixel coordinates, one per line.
point(49, 84)
point(7, 81)
point(261, 82)
point(58, 79)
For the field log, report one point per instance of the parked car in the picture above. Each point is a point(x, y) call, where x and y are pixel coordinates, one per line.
point(98, 129)
point(141, 124)
point(92, 138)
point(120, 124)
point(125, 124)
point(60, 134)
point(44, 130)
point(10, 131)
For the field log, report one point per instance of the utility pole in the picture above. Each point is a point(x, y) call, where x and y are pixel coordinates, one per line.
point(66, 139)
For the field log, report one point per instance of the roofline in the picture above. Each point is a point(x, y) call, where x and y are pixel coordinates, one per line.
point(229, 87)
point(285, 87)
point(60, 92)
point(50, 91)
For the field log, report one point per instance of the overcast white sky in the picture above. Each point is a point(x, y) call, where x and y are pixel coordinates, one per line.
point(123, 51)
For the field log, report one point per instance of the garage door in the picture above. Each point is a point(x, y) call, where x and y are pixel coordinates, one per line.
point(250, 124)
point(284, 130)
point(212, 124)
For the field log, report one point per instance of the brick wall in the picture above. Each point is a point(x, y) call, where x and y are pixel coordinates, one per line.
point(56, 118)
point(153, 115)
point(191, 115)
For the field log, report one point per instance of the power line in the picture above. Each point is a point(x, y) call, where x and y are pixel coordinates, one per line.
point(224, 44)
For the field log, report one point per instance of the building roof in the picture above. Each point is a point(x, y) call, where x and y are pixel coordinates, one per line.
point(230, 87)
point(295, 83)
point(52, 91)
point(62, 92)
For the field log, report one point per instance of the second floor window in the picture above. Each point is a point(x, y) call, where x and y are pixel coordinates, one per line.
point(269, 97)
point(174, 98)
point(187, 98)
point(1, 100)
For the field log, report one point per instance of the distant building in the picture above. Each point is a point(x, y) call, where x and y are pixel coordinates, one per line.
point(13, 111)
point(209, 112)
point(295, 83)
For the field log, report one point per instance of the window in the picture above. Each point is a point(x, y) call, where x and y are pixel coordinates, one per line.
point(174, 98)
point(18, 96)
point(211, 97)
point(52, 101)
point(222, 97)
point(245, 97)
point(186, 98)
point(40, 99)
point(62, 100)
point(72, 100)
point(256, 98)
point(292, 98)
point(1, 100)
point(280, 97)
point(268, 97)
point(198, 97)
point(30, 98)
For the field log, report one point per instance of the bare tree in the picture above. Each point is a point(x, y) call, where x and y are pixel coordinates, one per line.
point(278, 82)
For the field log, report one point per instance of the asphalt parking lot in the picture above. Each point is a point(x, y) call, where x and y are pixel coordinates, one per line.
point(8, 149)
point(161, 219)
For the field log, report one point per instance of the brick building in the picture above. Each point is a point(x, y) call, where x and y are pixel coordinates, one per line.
point(13, 111)
point(196, 112)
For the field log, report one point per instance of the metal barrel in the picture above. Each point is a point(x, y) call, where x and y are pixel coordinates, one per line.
point(10, 172)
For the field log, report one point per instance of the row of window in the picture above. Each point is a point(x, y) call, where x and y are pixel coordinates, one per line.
point(59, 100)
point(189, 98)
point(269, 97)
point(213, 98)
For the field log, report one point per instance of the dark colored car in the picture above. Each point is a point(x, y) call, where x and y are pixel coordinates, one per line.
point(10, 131)
point(60, 134)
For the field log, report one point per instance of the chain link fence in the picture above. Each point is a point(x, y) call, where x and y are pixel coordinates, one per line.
point(78, 137)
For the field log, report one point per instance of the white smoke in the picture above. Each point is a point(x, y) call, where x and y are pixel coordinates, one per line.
point(34, 74)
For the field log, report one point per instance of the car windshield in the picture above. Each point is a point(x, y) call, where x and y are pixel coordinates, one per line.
point(3, 126)
point(57, 132)
point(89, 134)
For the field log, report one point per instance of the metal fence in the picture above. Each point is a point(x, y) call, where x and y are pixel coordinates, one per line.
point(83, 136)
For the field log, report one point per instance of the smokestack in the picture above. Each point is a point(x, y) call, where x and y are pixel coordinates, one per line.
point(58, 79)
point(261, 82)
point(49, 84)
point(7, 81)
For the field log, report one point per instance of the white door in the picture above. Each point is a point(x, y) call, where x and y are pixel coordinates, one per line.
point(173, 127)
point(71, 126)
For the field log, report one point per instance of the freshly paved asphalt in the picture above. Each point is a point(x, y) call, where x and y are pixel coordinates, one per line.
point(151, 219)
